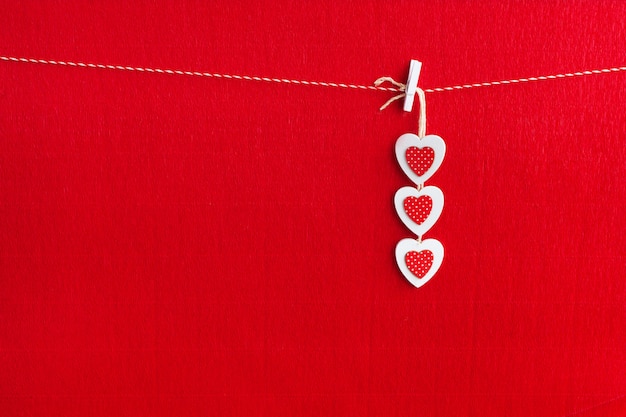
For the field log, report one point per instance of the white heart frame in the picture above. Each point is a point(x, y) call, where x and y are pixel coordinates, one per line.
point(409, 245)
point(436, 196)
point(408, 140)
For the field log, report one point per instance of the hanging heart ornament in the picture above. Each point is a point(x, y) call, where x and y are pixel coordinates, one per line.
point(419, 261)
point(419, 209)
point(420, 158)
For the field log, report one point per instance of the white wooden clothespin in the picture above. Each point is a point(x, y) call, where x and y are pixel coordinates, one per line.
point(411, 84)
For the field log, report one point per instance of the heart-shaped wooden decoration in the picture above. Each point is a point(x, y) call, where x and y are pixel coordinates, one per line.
point(420, 158)
point(419, 261)
point(419, 210)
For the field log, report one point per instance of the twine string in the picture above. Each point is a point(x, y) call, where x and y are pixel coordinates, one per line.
point(421, 128)
point(399, 86)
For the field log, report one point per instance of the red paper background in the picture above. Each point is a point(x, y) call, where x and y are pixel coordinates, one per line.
point(173, 245)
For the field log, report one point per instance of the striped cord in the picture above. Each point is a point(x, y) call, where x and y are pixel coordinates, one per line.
point(302, 82)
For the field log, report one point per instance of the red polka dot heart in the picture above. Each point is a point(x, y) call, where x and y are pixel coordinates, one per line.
point(419, 207)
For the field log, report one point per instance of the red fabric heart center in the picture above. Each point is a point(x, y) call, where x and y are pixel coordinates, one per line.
point(418, 208)
point(420, 159)
point(419, 263)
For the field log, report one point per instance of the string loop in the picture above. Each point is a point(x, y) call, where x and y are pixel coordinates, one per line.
point(421, 128)
point(401, 87)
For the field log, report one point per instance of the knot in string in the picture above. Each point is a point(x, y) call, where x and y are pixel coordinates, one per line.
point(421, 130)
point(401, 87)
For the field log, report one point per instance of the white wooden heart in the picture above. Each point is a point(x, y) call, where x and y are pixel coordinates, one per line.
point(406, 142)
point(405, 200)
point(413, 259)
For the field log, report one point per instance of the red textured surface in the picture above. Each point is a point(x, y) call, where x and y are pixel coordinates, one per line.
point(173, 245)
